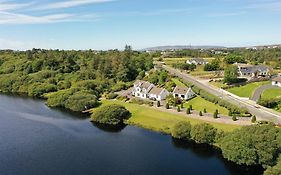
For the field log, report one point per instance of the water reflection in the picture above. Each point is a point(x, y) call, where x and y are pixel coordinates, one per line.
point(109, 128)
point(207, 151)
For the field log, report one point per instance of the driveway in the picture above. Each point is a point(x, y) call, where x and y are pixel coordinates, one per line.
point(257, 94)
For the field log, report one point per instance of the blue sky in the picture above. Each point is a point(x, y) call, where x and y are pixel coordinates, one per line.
point(108, 24)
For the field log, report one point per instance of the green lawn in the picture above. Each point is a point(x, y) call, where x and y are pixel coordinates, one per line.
point(178, 82)
point(198, 103)
point(153, 119)
point(218, 84)
point(271, 93)
point(247, 90)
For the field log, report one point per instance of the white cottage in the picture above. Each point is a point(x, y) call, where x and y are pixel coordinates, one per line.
point(158, 93)
point(276, 81)
point(197, 61)
point(141, 89)
point(183, 93)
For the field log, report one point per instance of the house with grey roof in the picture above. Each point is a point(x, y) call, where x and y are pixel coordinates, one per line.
point(183, 93)
point(276, 81)
point(146, 90)
point(141, 89)
point(197, 61)
point(252, 71)
point(158, 93)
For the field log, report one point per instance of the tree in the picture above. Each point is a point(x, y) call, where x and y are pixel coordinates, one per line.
point(200, 113)
point(274, 170)
point(254, 119)
point(158, 103)
point(80, 101)
point(111, 114)
point(188, 111)
point(231, 74)
point(167, 106)
point(251, 145)
point(181, 130)
point(229, 113)
point(215, 115)
point(203, 133)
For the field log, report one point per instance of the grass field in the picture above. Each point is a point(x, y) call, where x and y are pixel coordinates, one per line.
point(198, 103)
point(247, 90)
point(218, 84)
point(271, 93)
point(149, 118)
point(178, 82)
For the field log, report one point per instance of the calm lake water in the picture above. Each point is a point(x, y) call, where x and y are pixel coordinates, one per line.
point(37, 140)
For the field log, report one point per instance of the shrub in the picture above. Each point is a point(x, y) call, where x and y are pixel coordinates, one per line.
point(188, 111)
point(200, 113)
point(178, 109)
point(158, 103)
point(215, 115)
point(205, 111)
point(190, 107)
point(203, 133)
point(254, 119)
point(234, 118)
point(167, 106)
point(229, 113)
point(111, 114)
point(181, 130)
point(111, 96)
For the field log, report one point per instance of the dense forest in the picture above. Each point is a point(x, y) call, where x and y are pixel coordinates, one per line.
point(75, 78)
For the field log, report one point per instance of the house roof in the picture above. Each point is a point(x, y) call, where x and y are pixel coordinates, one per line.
point(156, 90)
point(246, 68)
point(278, 79)
point(181, 90)
point(197, 60)
point(142, 84)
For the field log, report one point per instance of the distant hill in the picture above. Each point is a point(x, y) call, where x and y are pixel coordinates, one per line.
point(180, 47)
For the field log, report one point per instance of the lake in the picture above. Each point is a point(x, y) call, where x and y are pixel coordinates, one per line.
point(37, 140)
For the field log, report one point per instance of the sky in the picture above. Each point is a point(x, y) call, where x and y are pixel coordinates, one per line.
point(111, 24)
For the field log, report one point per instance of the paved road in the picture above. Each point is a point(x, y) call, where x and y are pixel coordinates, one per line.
point(257, 94)
point(260, 111)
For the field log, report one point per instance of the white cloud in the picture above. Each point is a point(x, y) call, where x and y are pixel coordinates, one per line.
point(227, 14)
point(5, 6)
point(15, 18)
point(70, 3)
